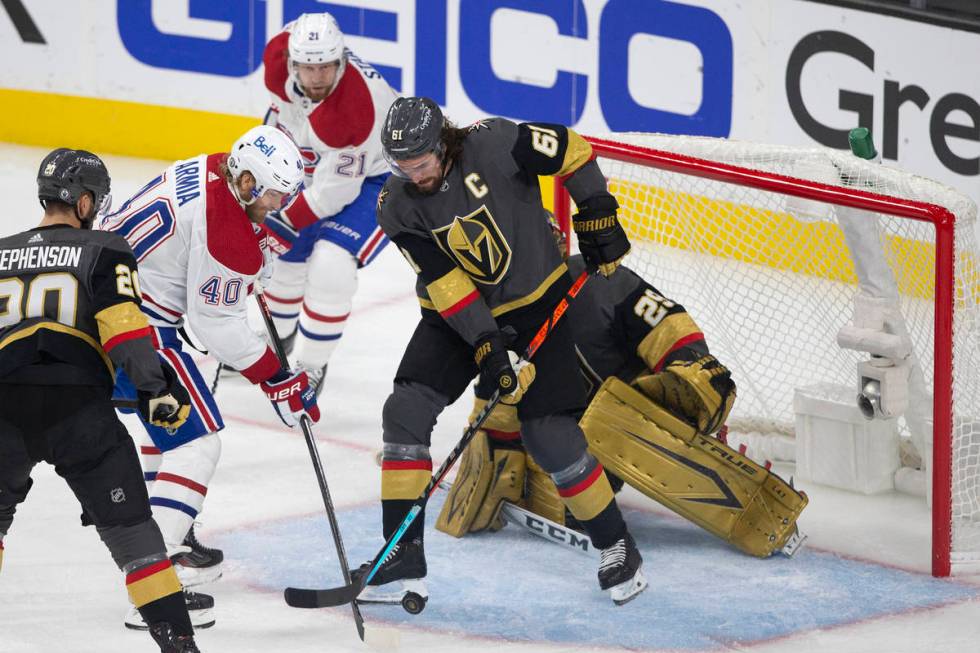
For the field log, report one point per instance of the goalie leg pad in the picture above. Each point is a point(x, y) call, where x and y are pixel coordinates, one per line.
point(541, 494)
point(696, 476)
point(486, 478)
point(700, 391)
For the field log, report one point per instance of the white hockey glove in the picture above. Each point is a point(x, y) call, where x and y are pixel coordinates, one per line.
point(291, 396)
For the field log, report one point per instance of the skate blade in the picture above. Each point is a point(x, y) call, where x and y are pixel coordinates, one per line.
point(626, 592)
point(393, 592)
point(199, 619)
point(794, 543)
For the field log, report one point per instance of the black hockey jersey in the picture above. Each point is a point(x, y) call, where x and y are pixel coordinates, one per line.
point(624, 327)
point(69, 310)
point(485, 234)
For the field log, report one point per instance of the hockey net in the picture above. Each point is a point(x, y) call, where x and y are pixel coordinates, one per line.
point(767, 247)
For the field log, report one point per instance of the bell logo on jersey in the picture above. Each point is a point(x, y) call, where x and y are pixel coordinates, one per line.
point(475, 242)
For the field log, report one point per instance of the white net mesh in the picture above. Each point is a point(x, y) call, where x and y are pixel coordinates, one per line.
point(771, 280)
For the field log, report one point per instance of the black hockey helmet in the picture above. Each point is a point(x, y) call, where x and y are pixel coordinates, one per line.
point(65, 175)
point(412, 128)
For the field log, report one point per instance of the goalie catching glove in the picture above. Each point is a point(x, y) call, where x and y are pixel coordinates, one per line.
point(601, 238)
point(700, 392)
point(170, 408)
point(502, 369)
point(291, 396)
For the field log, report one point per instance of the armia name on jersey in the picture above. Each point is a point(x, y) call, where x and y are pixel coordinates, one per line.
point(187, 182)
point(45, 256)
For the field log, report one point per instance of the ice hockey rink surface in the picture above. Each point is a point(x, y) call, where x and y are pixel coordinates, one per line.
point(862, 583)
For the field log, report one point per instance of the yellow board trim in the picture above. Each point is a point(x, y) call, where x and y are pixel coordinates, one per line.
point(60, 328)
point(154, 587)
point(114, 126)
point(120, 318)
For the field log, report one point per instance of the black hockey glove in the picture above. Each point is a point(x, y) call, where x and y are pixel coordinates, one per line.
point(501, 368)
point(601, 238)
point(170, 408)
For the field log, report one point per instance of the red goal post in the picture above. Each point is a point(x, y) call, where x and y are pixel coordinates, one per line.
point(753, 181)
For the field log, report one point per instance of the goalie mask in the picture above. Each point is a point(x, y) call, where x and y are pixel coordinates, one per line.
point(271, 157)
point(65, 175)
point(316, 39)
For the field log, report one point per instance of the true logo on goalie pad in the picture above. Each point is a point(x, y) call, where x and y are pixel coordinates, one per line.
point(476, 243)
point(729, 500)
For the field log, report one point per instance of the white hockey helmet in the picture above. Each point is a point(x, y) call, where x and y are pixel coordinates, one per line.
point(316, 39)
point(271, 157)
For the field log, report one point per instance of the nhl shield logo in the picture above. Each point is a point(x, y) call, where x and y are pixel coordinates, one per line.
point(475, 242)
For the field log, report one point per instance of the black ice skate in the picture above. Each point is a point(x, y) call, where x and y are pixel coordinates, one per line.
point(399, 575)
point(170, 642)
point(619, 570)
point(195, 563)
point(200, 608)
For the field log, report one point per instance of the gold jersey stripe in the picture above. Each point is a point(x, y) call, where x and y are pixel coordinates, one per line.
point(154, 587)
point(658, 343)
point(533, 296)
point(120, 318)
point(60, 328)
point(530, 298)
point(449, 289)
point(577, 153)
point(404, 483)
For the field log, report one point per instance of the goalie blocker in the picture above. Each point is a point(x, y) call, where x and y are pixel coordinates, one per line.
point(662, 456)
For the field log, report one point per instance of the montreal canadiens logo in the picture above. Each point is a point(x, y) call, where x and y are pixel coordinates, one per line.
point(310, 159)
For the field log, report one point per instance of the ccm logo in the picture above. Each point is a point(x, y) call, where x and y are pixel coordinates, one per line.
point(285, 393)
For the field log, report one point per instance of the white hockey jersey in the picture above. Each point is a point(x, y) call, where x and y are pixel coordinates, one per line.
point(339, 137)
point(199, 256)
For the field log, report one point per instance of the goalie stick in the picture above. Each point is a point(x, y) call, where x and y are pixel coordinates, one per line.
point(314, 598)
point(321, 478)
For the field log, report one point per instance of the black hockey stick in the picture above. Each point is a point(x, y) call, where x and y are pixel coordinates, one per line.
point(315, 458)
point(312, 598)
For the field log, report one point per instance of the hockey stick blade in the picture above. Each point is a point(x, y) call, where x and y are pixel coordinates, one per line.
point(307, 598)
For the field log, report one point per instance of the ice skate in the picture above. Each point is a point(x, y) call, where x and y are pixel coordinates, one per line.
point(170, 642)
point(200, 608)
point(400, 575)
point(619, 570)
point(195, 568)
point(199, 556)
point(317, 375)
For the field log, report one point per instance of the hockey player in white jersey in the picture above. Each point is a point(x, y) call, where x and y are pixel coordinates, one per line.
point(197, 232)
point(333, 105)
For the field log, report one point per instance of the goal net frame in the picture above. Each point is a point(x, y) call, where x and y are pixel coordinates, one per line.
point(942, 219)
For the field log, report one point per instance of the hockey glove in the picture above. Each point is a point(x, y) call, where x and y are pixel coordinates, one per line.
point(170, 408)
point(700, 392)
point(280, 235)
point(502, 369)
point(601, 238)
point(291, 396)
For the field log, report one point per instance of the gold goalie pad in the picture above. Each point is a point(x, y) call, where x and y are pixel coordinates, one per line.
point(696, 476)
point(483, 482)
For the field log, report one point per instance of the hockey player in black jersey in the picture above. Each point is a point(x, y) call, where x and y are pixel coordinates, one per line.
point(464, 208)
point(69, 316)
point(658, 398)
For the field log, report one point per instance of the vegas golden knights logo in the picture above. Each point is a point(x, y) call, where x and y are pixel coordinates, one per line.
point(476, 244)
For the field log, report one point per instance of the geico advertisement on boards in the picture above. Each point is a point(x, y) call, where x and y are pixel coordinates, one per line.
point(781, 71)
